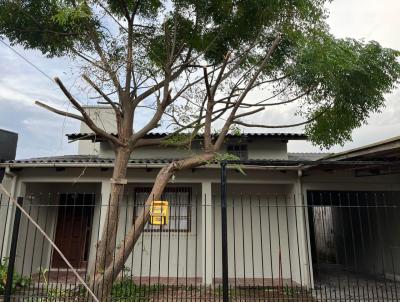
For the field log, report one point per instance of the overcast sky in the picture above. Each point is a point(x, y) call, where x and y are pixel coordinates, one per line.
point(43, 134)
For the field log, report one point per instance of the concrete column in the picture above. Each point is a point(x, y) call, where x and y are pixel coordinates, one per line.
point(304, 235)
point(207, 233)
point(18, 189)
point(99, 219)
point(104, 201)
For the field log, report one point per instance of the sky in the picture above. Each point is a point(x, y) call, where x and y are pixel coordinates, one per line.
point(42, 133)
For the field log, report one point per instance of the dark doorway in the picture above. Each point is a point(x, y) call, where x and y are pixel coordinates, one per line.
point(355, 244)
point(74, 221)
point(355, 231)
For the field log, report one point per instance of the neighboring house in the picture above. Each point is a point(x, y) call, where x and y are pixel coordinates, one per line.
point(271, 232)
point(8, 147)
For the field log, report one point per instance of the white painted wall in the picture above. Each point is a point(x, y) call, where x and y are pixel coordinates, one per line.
point(258, 148)
point(259, 183)
point(152, 152)
point(41, 201)
point(267, 149)
point(33, 251)
point(262, 234)
point(167, 254)
point(150, 256)
point(104, 118)
point(7, 211)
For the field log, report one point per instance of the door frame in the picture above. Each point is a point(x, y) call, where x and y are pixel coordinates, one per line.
point(88, 201)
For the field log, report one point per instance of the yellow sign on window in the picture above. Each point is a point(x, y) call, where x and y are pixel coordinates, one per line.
point(159, 213)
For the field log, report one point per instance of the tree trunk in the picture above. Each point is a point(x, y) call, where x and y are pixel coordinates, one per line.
point(102, 284)
point(106, 245)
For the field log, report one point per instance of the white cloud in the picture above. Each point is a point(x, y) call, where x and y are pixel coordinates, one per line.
point(366, 19)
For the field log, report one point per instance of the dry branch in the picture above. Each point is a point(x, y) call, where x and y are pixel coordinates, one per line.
point(60, 112)
point(89, 122)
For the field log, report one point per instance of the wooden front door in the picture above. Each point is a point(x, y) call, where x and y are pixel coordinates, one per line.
point(73, 229)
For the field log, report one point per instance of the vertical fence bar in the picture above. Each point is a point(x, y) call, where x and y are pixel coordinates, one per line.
point(13, 251)
point(224, 233)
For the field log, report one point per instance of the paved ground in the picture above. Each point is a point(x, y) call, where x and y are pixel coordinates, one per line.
point(335, 284)
point(331, 284)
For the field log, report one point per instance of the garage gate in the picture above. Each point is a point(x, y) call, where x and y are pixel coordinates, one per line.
point(355, 245)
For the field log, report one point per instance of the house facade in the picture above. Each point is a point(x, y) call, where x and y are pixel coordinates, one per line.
point(287, 214)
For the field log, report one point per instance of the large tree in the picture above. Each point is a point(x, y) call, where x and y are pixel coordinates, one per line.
point(204, 67)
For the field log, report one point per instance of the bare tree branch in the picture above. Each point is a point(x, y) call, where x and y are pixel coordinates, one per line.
point(230, 119)
point(60, 112)
point(89, 122)
point(104, 61)
point(273, 126)
point(88, 59)
point(249, 105)
point(281, 126)
point(158, 114)
point(275, 95)
point(248, 113)
point(158, 86)
point(105, 96)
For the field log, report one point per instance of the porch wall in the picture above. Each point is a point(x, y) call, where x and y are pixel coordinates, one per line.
point(179, 255)
point(263, 238)
point(34, 253)
point(6, 217)
point(165, 254)
point(187, 260)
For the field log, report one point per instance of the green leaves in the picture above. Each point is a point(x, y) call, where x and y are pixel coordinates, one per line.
point(18, 281)
point(347, 81)
point(178, 139)
point(68, 15)
point(344, 80)
point(209, 26)
point(53, 27)
point(145, 9)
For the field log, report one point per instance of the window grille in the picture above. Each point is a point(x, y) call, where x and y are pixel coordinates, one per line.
point(179, 208)
point(239, 150)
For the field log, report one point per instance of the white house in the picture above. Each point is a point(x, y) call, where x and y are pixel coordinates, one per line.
point(277, 210)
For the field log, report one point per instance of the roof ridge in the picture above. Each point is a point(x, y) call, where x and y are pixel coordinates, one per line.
point(273, 135)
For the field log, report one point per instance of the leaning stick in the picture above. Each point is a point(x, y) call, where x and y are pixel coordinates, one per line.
point(49, 240)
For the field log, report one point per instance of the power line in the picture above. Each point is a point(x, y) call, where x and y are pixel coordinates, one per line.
point(27, 61)
point(44, 74)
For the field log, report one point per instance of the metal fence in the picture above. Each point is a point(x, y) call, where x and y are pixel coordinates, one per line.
point(326, 246)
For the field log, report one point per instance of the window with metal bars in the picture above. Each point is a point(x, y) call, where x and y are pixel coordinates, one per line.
point(239, 150)
point(179, 202)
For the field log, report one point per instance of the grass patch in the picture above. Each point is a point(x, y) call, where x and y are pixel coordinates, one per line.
point(127, 290)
